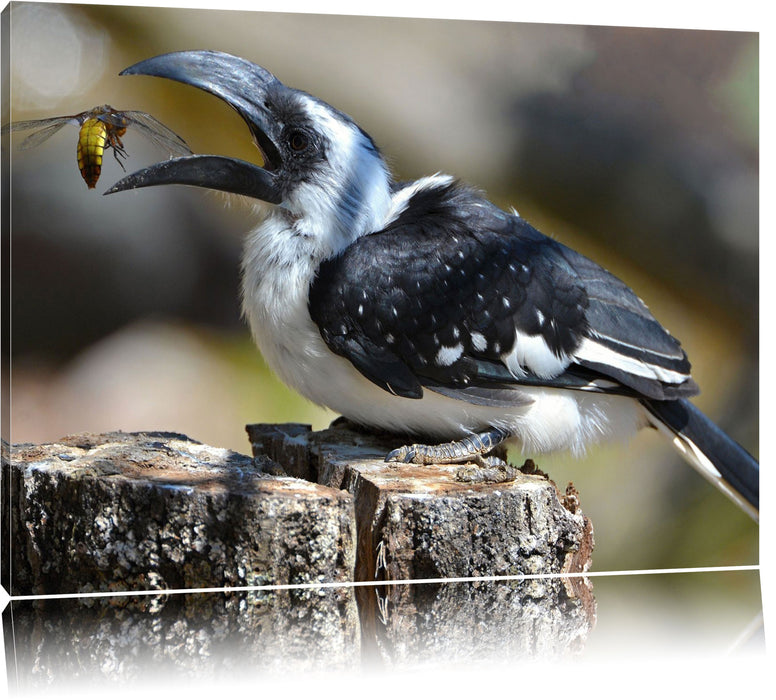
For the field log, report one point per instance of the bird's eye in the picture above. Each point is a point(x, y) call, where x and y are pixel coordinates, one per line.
point(298, 141)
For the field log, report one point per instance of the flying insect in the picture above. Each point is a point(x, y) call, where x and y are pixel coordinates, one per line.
point(101, 128)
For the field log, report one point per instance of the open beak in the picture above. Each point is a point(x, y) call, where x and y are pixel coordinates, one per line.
point(241, 84)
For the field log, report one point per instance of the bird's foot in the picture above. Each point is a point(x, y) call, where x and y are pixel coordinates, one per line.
point(497, 471)
point(473, 448)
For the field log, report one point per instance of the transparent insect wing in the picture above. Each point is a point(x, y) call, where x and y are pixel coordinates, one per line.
point(157, 132)
point(45, 129)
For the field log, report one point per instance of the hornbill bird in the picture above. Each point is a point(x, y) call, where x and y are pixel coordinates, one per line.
point(422, 308)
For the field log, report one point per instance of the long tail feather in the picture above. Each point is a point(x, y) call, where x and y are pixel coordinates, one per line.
point(718, 457)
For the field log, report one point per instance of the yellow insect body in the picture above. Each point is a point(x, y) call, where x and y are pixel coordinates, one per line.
point(94, 137)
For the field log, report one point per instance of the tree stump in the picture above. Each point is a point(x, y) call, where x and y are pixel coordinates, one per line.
point(423, 523)
point(138, 511)
point(158, 511)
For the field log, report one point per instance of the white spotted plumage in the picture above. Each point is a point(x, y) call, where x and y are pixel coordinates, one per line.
point(278, 268)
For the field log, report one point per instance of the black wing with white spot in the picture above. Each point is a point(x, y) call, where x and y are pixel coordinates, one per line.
point(460, 297)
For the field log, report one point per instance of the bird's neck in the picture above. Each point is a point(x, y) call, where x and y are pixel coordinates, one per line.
point(333, 211)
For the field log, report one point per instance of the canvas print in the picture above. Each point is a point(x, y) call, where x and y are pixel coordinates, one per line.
point(337, 339)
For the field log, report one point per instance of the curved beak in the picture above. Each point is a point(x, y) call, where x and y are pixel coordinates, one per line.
point(244, 86)
point(213, 172)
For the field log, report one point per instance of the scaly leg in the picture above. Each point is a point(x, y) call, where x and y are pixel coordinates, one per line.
point(471, 449)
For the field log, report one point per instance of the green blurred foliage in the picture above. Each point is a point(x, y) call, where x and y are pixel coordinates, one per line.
point(738, 94)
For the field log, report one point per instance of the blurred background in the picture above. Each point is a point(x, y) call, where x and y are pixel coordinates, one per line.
point(638, 147)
